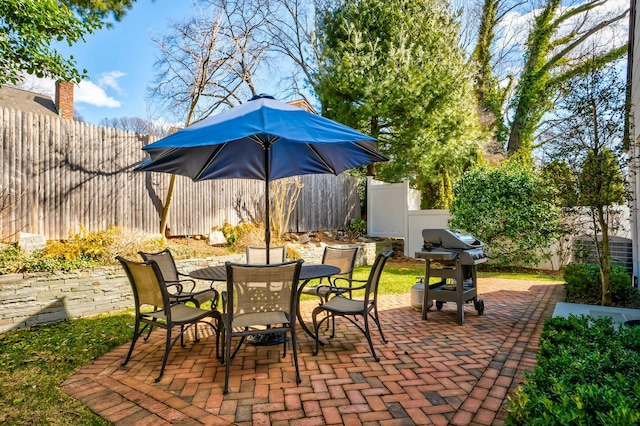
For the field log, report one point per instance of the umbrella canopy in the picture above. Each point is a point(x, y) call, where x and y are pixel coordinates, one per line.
point(261, 139)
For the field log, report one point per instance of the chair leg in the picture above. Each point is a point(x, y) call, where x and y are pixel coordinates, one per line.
point(136, 334)
point(316, 326)
point(235, 351)
point(148, 334)
point(218, 331)
point(167, 348)
point(377, 320)
point(195, 331)
point(294, 350)
point(223, 339)
point(227, 361)
point(284, 344)
point(367, 334)
point(333, 325)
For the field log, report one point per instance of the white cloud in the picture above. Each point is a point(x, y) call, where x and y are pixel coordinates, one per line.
point(110, 80)
point(44, 86)
point(86, 92)
point(92, 94)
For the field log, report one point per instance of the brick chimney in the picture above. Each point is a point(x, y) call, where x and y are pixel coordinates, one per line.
point(64, 99)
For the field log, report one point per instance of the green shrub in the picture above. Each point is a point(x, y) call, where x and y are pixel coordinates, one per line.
point(583, 285)
point(358, 227)
point(587, 372)
point(510, 208)
point(11, 258)
point(244, 234)
point(582, 282)
point(83, 250)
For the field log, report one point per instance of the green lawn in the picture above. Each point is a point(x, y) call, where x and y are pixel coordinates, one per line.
point(398, 279)
point(35, 361)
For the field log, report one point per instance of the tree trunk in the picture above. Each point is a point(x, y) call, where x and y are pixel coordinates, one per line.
point(167, 204)
point(375, 132)
point(605, 258)
point(515, 144)
point(482, 51)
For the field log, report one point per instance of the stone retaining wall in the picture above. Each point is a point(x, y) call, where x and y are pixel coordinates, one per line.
point(41, 298)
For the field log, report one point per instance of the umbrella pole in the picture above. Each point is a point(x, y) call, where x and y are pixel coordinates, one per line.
point(267, 230)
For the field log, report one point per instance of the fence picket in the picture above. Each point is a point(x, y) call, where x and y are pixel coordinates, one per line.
point(61, 174)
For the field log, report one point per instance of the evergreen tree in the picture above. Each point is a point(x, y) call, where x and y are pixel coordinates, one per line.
point(394, 69)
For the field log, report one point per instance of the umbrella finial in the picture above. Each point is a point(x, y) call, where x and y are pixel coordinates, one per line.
point(261, 96)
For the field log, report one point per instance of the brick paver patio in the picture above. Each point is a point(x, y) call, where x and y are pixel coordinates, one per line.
point(430, 372)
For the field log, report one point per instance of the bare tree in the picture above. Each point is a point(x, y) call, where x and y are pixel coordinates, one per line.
point(207, 63)
point(291, 34)
point(588, 138)
point(555, 53)
point(526, 49)
point(137, 125)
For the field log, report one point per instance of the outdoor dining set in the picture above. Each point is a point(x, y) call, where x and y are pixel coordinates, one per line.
point(259, 303)
point(262, 139)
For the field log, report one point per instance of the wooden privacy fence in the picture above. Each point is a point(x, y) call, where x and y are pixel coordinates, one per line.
point(58, 175)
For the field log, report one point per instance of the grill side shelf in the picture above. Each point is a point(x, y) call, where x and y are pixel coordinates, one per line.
point(437, 255)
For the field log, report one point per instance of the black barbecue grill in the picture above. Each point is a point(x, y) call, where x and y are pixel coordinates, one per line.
point(451, 256)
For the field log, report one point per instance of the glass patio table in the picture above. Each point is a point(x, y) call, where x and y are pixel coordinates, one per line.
point(308, 272)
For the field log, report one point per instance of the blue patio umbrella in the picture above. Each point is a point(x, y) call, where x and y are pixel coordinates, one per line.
point(261, 139)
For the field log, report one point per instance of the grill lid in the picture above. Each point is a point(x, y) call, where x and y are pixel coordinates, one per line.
point(448, 239)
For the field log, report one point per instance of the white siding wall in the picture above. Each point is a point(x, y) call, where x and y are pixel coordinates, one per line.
point(634, 165)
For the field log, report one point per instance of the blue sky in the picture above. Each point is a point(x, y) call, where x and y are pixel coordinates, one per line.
point(119, 61)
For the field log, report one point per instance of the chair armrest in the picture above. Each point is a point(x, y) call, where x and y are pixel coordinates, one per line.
point(359, 287)
point(319, 288)
point(337, 280)
point(176, 284)
point(188, 280)
point(216, 297)
point(327, 291)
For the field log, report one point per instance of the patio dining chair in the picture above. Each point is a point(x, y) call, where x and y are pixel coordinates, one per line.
point(154, 309)
point(258, 255)
point(259, 300)
point(352, 308)
point(181, 286)
point(345, 260)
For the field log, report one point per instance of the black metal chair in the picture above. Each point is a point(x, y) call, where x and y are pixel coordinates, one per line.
point(183, 284)
point(352, 308)
point(154, 309)
point(259, 300)
point(345, 260)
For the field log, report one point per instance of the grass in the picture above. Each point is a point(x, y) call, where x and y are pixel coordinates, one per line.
point(399, 277)
point(34, 362)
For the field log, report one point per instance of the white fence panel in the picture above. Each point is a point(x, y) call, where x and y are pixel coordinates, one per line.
point(387, 207)
point(419, 220)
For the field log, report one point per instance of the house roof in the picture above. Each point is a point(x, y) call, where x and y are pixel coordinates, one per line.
point(302, 103)
point(26, 101)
